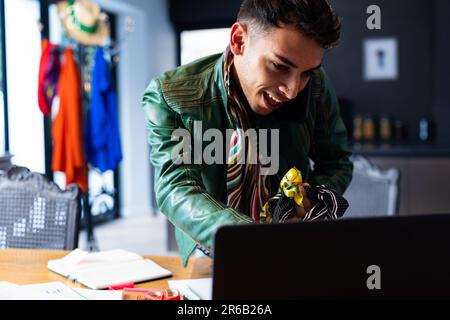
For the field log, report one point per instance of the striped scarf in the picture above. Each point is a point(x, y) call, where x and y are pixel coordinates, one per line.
point(328, 204)
point(247, 189)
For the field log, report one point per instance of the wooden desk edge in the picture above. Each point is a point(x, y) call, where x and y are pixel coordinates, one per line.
point(27, 266)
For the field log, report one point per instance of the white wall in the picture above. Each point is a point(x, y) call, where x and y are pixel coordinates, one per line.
point(145, 53)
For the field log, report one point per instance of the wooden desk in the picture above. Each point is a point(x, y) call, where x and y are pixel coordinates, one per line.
point(21, 266)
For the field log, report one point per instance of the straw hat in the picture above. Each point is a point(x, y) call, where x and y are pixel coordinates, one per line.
point(84, 21)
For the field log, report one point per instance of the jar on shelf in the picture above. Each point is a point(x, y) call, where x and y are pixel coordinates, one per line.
point(399, 130)
point(425, 129)
point(385, 128)
point(358, 127)
point(369, 127)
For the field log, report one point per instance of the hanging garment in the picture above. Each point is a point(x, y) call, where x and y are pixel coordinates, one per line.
point(68, 151)
point(49, 69)
point(102, 138)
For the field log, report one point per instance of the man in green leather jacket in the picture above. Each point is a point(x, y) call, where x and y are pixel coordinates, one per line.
point(270, 77)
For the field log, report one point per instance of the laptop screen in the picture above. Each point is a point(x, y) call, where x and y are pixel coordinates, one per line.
point(389, 257)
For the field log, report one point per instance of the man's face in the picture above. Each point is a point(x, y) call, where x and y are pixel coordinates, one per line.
point(273, 67)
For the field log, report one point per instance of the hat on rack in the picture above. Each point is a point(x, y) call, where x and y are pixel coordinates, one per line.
point(84, 22)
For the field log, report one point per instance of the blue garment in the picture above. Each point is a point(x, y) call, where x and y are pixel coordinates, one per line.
point(102, 135)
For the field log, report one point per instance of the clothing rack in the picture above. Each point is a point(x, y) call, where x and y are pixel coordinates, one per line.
point(80, 53)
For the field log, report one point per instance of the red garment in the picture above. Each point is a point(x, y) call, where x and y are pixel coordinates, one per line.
point(68, 149)
point(49, 68)
point(46, 49)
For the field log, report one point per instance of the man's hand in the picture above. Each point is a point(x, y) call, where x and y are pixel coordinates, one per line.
point(300, 212)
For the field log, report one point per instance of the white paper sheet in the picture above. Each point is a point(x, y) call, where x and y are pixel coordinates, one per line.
point(41, 291)
point(53, 291)
point(100, 294)
point(194, 289)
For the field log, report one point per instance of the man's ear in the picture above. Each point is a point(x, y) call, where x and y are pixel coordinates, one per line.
point(238, 38)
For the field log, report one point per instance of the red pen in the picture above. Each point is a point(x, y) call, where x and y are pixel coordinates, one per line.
point(122, 286)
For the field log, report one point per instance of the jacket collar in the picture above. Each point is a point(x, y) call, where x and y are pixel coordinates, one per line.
point(219, 78)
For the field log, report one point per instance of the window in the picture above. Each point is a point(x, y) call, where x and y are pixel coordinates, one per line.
point(196, 44)
point(2, 125)
point(23, 50)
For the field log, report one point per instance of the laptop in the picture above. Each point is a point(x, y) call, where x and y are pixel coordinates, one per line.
point(403, 257)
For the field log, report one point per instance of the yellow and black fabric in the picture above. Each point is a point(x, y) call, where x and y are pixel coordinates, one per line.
point(326, 203)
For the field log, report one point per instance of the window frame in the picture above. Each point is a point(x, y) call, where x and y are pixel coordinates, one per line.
point(4, 83)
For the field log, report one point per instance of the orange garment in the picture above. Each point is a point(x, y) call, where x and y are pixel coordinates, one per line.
point(68, 150)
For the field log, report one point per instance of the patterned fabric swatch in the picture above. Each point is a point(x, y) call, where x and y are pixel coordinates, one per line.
point(326, 204)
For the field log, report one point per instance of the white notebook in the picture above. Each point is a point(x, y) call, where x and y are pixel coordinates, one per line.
point(99, 270)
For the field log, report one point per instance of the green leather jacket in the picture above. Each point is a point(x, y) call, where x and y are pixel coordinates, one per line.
point(193, 196)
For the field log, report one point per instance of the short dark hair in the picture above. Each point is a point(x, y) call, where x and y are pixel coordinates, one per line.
point(313, 18)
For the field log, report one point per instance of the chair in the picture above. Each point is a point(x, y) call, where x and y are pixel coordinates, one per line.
point(35, 213)
point(5, 161)
point(372, 192)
